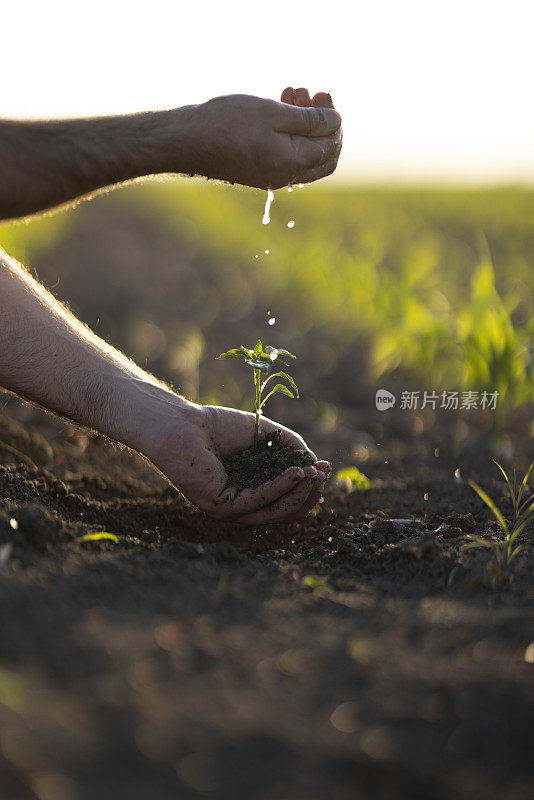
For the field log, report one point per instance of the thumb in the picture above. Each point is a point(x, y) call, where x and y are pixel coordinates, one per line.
point(307, 121)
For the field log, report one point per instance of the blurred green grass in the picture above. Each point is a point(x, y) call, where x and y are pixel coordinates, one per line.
point(433, 287)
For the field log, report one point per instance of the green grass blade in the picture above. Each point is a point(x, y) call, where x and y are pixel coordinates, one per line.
point(99, 537)
point(525, 516)
point(510, 487)
point(518, 549)
point(477, 541)
point(524, 483)
point(491, 505)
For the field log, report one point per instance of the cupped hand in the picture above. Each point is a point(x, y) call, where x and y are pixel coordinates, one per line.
point(265, 144)
point(190, 456)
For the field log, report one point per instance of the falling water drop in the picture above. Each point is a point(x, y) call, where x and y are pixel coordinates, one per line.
point(291, 223)
point(272, 320)
point(267, 213)
point(289, 188)
point(267, 252)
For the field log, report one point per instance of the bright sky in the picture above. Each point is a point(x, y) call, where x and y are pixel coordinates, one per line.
point(428, 89)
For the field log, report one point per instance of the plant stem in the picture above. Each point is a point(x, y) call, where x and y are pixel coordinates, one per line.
point(257, 404)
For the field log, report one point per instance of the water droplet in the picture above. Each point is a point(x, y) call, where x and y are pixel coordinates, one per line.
point(301, 185)
point(267, 252)
point(256, 256)
point(272, 320)
point(291, 223)
point(289, 188)
point(14, 524)
point(267, 213)
point(425, 496)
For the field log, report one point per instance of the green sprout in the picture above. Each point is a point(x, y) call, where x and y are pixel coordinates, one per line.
point(352, 479)
point(504, 551)
point(261, 362)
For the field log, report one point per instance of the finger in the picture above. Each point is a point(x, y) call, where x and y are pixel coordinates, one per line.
point(323, 466)
point(312, 500)
point(250, 501)
point(322, 100)
point(315, 151)
point(302, 98)
point(314, 173)
point(287, 95)
point(283, 508)
point(307, 121)
point(289, 438)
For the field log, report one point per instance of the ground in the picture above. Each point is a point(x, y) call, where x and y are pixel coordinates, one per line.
point(357, 655)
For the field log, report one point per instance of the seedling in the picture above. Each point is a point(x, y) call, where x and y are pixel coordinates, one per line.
point(261, 362)
point(504, 552)
point(516, 494)
point(315, 583)
point(352, 479)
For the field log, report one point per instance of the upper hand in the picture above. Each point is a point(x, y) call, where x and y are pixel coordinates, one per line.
point(265, 144)
point(190, 456)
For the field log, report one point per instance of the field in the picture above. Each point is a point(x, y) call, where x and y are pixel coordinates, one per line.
point(365, 653)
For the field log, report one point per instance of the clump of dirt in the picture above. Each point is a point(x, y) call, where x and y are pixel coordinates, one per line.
point(251, 468)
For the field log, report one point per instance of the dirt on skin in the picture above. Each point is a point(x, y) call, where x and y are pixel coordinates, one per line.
point(359, 654)
point(252, 467)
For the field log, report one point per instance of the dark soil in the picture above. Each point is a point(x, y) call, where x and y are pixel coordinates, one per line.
point(252, 467)
point(357, 655)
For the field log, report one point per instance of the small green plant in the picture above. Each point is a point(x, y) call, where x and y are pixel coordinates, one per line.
point(352, 479)
point(262, 361)
point(315, 583)
point(504, 551)
point(520, 509)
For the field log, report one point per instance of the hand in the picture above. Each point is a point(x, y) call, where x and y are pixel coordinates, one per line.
point(189, 455)
point(265, 144)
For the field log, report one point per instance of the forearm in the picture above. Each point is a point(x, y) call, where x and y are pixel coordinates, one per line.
point(51, 359)
point(46, 164)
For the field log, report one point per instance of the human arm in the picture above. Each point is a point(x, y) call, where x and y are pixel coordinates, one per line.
point(238, 138)
point(50, 358)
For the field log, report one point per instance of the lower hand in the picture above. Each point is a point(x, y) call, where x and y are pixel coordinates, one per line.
point(265, 144)
point(190, 452)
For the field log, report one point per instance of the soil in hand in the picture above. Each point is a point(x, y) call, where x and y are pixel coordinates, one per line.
point(251, 467)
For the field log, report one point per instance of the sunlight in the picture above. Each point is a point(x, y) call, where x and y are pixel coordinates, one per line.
point(427, 91)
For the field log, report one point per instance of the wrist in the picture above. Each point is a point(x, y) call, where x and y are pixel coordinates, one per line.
point(152, 413)
point(177, 141)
